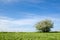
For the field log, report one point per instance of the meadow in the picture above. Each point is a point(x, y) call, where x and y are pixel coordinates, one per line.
point(29, 36)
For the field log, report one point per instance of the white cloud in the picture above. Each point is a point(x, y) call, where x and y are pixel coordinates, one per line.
point(10, 24)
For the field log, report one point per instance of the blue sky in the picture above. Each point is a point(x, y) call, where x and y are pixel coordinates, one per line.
point(22, 15)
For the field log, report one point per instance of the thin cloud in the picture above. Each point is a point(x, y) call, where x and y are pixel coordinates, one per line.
point(31, 1)
point(7, 24)
point(22, 25)
point(8, 0)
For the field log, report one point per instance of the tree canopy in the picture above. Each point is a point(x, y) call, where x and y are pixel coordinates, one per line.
point(44, 25)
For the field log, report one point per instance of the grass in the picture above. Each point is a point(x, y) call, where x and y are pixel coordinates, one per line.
point(29, 36)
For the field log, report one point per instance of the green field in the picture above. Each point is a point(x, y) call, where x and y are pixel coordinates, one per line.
point(29, 36)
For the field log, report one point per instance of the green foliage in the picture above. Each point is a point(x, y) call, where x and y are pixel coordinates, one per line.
point(44, 25)
point(29, 36)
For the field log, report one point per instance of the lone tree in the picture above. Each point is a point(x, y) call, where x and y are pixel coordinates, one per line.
point(44, 25)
